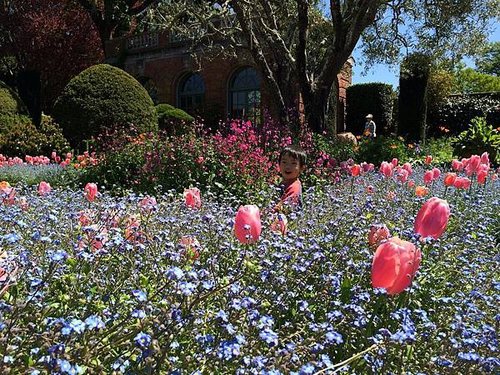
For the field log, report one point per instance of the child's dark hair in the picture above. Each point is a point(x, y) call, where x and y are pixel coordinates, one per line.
point(295, 152)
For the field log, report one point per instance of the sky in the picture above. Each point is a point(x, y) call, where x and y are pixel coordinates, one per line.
point(390, 74)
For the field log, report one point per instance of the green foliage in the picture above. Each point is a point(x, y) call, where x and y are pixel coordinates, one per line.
point(489, 61)
point(441, 149)
point(412, 103)
point(458, 111)
point(384, 148)
point(469, 80)
point(480, 137)
point(173, 120)
point(374, 98)
point(10, 103)
point(101, 97)
point(32, 175)
point(439, 87)
point(20, 137)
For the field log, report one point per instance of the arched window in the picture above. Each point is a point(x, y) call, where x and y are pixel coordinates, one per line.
point(191, 93)
point(244, 95)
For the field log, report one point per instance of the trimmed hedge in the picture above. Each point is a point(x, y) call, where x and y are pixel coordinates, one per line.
point(458, 111)
point(173, 120)
point(374, 98)
point(100, 97)
point(10, 102)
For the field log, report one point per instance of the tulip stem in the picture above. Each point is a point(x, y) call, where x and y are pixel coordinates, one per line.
point(342, 364)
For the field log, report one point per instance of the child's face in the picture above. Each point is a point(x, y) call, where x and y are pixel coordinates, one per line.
point(290, 168)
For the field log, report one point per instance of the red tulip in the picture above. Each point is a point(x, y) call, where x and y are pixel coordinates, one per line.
point(428, 177)
point(377, 234)
point(462, 183)
point(44, 188)
point(192, 197)
point(449, 179)
point(481, 176)
point(355, 170)
point(432, 218)
point(247, 225)
point(90, 191)
point(428, 159)
point(394, 265)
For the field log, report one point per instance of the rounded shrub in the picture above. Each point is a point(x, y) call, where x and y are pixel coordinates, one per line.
point(100, 97)
point(173, 120)
point(10, 103)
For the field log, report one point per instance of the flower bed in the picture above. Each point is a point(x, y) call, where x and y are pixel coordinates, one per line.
point(91, 283)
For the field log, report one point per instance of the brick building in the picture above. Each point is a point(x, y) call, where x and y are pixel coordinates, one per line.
point(215, 89)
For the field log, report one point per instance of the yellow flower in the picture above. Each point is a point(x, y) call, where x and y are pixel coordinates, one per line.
point(393, 146)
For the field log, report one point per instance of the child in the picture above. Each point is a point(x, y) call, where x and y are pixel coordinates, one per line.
point(292, 162)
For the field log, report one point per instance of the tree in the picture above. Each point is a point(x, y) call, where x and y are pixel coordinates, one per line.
point(489, 61)
point(300, 46)
point(468, 80)
point(110, 16)
point(42, 46)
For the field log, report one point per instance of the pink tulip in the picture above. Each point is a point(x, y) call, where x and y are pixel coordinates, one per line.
point(280, 224)
point(44, 188)
point(428, 177)
point(386, 169)
point(191, 246)
point(377, 234)
point(481, 176)
point(462, 183)
point(457, 165)
point(432, 218)
point(90, 191)
point(485, 158)
point(394, 162)
point(192, 197)
point(367, 167)
point(435, 173)
point(449, 179)
point(394, 265)
point(403, 175)
point(473, 165)
point(407, 167)
point(247, 225)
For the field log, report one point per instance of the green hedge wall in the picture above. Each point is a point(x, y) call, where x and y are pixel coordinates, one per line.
point(374, 98)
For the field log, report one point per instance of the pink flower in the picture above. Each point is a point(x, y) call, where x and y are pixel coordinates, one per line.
point(377, 234)
point(407, 167)
point(370, 189)
point(192, 197)
point(403, 175)
point(386, 169)
point(481, 176)
point(432, 218)
point(280, 224)
point(367, 167)
point(435, 173)
point(394, 265)
point(247, 225)
point(485, 158)
point(90, 191)
point(462, 183)
point(44, 188)
point(394, 162)
point(191, 246)
point(428, 159)
point(148, 204)
point(428, 177)
point(449, 179)
point(457, 165)
point(473, 165)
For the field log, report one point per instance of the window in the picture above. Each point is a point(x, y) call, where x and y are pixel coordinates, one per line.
point(191, 93)
point(244, 95)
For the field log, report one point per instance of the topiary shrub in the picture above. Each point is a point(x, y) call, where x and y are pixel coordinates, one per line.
point(100, 97)
point(10, 103)
point(480, 137)
point(173, 120)
point(20, 137)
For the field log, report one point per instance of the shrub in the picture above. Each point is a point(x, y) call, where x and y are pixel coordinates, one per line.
point(19, 136)
point(374, 98)
point(173, 120)
point(478, 138)
point(384, 148)
point(458, 111)
point(10, 103)
point(99, 97)
point(440, 148)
